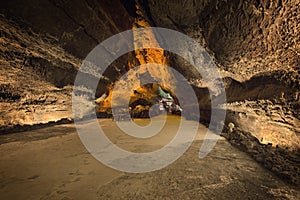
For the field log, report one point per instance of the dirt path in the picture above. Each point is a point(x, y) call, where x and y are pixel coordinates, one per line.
point(35, 165)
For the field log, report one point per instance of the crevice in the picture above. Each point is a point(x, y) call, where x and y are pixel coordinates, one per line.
point(145, 5)
point(74, 21)
point(103, 14)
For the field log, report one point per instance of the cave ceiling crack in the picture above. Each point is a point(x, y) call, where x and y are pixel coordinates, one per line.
point(75, 21)
point(104, 14)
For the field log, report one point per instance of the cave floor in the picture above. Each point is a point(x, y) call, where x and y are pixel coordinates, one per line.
point(52, 163)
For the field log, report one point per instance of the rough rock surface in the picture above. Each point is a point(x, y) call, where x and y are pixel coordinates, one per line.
point(255, 44)
point(282, 161)
point(42, 47)
point(246, 37)
point(36, 77)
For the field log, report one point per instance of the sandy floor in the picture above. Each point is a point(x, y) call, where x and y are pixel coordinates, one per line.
point(52, 163)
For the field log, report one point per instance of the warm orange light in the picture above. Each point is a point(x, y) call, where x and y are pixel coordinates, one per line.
point(144, 56)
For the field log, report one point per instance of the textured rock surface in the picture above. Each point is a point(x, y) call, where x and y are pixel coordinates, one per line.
point(147, 71)
point(42, 46)
point(36, 77)
point(78, 26)
point(246, 37)
point(255, 44)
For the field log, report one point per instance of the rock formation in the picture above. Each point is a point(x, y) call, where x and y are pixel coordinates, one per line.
point(255, 44)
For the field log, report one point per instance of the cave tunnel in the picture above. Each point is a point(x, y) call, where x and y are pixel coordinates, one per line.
point(52, 88)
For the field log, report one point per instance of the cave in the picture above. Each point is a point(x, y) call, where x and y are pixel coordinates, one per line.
point(216, 75)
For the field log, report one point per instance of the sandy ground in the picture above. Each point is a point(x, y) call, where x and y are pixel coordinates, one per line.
point(52, 163)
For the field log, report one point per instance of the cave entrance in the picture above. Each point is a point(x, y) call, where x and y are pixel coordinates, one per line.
point(153, 100)
point(146, 101)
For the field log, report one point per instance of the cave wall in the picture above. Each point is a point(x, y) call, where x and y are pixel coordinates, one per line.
point(256, 46)
point(77, 25)
point(246, 37)
point(254, 43)
point(41, 49)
